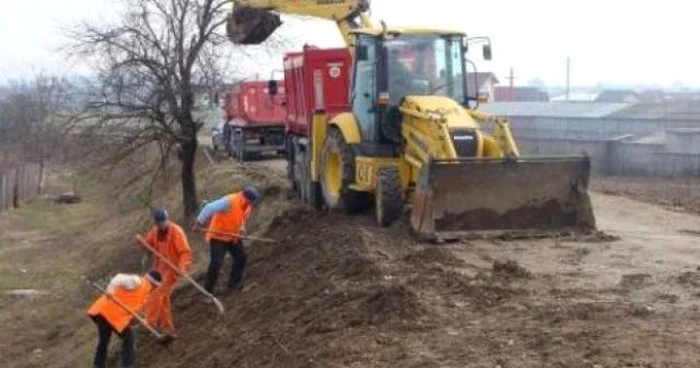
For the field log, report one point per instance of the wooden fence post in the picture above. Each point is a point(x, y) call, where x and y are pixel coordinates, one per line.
point(15, 189)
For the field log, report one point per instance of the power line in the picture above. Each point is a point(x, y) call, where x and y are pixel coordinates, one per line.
point(511, 77)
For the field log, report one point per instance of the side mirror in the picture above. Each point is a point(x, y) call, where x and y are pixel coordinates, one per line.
point(272, 87)
point(361, 53)
point(487, 52)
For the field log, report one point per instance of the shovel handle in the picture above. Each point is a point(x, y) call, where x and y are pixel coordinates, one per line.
point(238, 235)
point(184, 275)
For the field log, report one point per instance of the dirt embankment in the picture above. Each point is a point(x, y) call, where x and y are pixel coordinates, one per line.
point(49, 247)
point(338, 292)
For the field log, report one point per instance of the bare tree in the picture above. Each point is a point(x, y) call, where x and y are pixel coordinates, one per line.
point(35, 118)
point(150, 64)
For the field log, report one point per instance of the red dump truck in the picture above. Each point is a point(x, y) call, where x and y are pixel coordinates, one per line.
point(255, 120)
point(315, 79)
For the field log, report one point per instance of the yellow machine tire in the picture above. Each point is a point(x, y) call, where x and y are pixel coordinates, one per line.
point(388, 196)
point(338, 173)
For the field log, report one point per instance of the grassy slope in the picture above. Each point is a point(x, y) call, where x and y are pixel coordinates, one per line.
point(50, 247)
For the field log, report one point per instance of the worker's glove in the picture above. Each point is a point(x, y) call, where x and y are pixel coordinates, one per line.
point(196, 227)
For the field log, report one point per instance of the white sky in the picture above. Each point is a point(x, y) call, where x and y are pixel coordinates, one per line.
point(612, 41)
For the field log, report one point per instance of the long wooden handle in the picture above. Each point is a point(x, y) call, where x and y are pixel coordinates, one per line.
point(249, 237)
point(127, 309)
point(177, 270)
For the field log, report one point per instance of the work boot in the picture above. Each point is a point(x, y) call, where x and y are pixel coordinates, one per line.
point(170, 334)
point(233, 288)
point(167, 340)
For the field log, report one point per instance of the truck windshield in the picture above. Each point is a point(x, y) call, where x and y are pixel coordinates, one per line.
point(425, 65)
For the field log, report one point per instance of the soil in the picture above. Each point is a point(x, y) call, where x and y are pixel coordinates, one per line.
point(678, 194)
point(548, 215)
point(337, 291)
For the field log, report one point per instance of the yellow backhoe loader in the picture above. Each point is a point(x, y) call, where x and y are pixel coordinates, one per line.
point(410, 136)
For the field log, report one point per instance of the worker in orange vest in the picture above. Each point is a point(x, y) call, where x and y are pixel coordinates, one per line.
point(228, 216)
point(132, 291)
point(170, 240)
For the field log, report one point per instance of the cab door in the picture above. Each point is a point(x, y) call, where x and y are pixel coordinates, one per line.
point(364, 87)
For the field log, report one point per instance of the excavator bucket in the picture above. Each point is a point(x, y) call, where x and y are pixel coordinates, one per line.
point(468, 195)
point(251, 26)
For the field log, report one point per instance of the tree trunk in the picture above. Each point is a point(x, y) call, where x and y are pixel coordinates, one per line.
point(189, 188)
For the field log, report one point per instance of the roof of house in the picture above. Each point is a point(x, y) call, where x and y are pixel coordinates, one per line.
point(652, 95)
point(481, 77)
point(553, 109)
point(616, 95)
point(669, 110)
point(503, 93)
point(657, 138)
point(576, 97)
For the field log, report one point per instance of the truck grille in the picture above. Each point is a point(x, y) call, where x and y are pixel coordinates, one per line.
point(466, 143)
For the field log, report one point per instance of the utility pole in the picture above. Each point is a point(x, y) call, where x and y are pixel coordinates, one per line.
point(568, 77)
point(511, 77)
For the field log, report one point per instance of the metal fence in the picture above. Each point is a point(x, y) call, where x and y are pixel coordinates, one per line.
point(18, 183)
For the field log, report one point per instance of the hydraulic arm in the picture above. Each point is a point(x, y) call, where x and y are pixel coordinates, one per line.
point(253, 21)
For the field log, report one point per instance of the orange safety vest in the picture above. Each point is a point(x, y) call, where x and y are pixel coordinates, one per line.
point(231, 221)
point(113, 312)
point(174, 246)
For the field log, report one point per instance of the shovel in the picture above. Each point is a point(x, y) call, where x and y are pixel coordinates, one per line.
point(164, 340)
point(239, 235)
point(177, 270)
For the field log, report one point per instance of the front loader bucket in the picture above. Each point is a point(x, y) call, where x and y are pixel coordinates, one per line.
point(250, 26)
point(541, 194)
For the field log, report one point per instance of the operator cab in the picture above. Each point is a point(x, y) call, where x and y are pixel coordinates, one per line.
point(393, 64)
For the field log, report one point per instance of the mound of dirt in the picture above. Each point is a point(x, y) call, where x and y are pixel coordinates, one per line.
point(393, 301)
point(438, 255)
point(310, 297)
point(336, 291)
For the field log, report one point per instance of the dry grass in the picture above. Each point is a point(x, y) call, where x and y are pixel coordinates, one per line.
point(50, 247)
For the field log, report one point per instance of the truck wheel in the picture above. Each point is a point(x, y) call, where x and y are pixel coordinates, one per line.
point(388, 197)
point(337, 173)
point(230, 148)
point(302, 175)
point(291, 167)
point(241, 154)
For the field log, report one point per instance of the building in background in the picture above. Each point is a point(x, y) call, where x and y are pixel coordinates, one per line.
point(621, 138)
point(519, 94)
point(481, 85)
point(618, 95)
